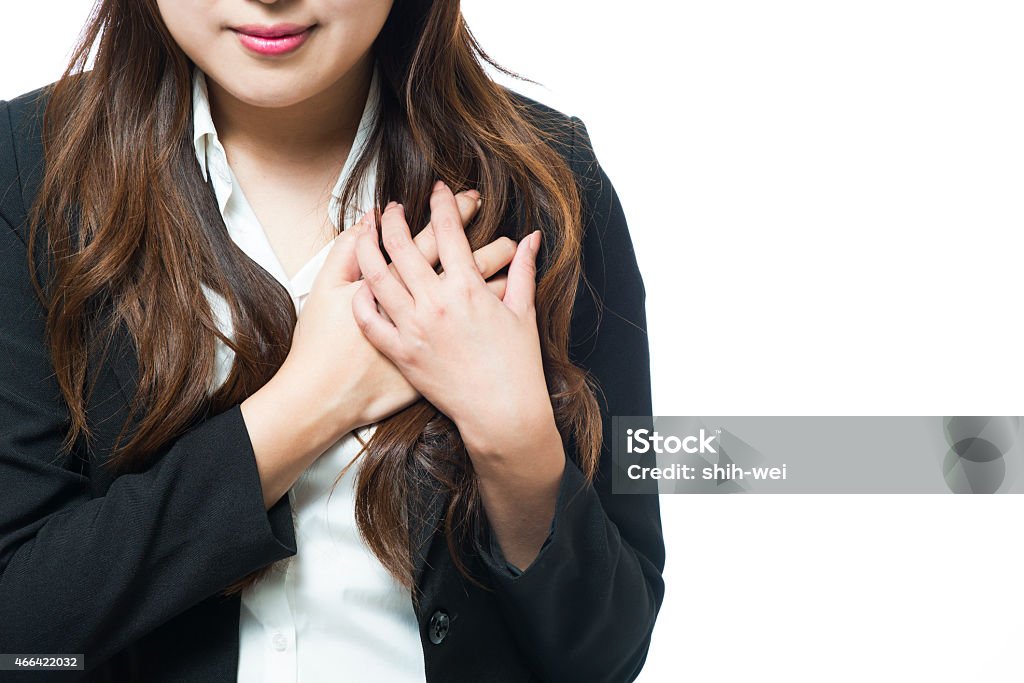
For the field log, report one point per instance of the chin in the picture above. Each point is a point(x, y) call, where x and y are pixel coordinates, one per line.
point(261, 90)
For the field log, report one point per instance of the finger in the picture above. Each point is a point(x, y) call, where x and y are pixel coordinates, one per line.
point(522, 275)
point(469, 203)
point(492, 257)
point(497, 285)
point(413, 270)
point(378, 331)
point(341, 266)
point(453, 248)
point(385, 287)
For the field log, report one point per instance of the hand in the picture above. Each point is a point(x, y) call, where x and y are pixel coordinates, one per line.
point(476, 356)
point(473, 354)
point(329, 354)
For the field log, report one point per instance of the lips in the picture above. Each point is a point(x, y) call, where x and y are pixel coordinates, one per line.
point(277, 39)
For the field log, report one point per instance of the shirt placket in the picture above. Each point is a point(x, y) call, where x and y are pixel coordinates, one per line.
point(281, 659)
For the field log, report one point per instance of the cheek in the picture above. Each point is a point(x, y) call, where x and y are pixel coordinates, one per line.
point(351, 26)
point(193, 25)
point(342, 9)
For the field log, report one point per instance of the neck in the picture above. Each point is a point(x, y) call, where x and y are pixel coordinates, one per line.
point(315, 127)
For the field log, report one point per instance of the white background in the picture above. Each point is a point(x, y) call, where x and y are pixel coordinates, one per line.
point(826, 201)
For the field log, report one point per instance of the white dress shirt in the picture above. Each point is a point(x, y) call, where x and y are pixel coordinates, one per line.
point(331, 612)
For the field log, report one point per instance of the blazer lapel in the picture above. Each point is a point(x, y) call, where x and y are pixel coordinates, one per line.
point(426, 510)
point(125, 362)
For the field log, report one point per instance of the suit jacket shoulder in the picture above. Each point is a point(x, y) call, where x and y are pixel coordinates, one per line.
point(21, 154)
point(568, 136)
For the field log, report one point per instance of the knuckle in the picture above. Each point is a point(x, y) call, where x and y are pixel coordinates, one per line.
point(349, 234)
point(403, 355)
point(416, 348)
point(447, 223)
point(438, 309)
point(366, 241)
point(393, 242)
point(363, 322)
point(461, 288)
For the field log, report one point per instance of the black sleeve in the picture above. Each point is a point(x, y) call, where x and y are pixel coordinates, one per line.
point(584, 610)
point(89, 575)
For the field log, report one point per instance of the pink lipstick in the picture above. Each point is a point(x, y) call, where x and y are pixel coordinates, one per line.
point(275, 40)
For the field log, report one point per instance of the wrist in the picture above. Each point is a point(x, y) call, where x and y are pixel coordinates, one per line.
point(520, 495)
point(527, 448)
point(291, 408)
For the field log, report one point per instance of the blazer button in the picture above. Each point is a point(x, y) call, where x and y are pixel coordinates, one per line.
point(439, 625)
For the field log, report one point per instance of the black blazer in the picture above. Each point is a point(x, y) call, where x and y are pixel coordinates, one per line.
point(126, 569)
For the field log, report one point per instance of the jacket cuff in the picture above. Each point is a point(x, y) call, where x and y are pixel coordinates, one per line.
point(572, 481)
point(272, 530)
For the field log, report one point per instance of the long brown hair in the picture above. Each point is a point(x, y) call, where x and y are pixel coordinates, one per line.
point(149, 239)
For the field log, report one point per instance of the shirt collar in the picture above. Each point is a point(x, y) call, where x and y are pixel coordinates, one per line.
point(207, 144)
point(203, 129)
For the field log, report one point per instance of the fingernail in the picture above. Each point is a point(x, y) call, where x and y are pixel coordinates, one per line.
point(535, 244)
point(479, 202)
point(389, 205)
point(438, 185)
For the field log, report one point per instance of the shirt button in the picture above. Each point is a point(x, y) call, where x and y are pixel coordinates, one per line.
point(439, 625)
point(280, 642)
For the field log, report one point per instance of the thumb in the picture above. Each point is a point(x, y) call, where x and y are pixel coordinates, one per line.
point(341, 266)
point(520, 288)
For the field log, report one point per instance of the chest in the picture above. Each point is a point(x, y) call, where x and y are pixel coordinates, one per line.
point(290, 203)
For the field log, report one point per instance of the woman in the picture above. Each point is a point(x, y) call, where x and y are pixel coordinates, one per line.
point(238, 445)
